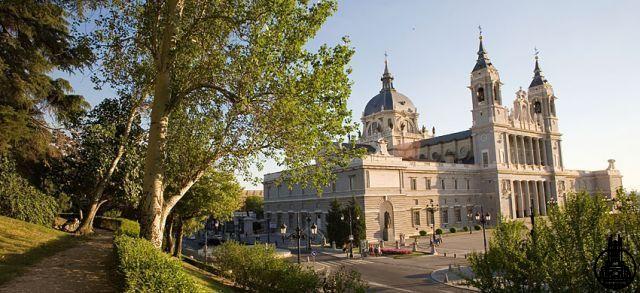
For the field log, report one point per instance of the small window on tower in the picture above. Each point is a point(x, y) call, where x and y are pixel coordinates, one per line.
point(480, 95)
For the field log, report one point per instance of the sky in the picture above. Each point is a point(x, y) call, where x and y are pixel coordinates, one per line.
point(589, 52)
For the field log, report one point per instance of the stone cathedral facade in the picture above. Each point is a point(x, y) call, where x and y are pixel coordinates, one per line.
point(509, 162)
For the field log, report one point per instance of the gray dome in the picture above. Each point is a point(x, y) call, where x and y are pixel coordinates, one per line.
point(389, 99)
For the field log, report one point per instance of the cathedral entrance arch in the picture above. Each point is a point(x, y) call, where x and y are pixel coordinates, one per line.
point(386, 221)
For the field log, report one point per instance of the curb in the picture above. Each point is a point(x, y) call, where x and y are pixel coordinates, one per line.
point(470, 289)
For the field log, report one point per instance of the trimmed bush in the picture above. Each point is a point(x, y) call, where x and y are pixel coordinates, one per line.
point(147, 269)
point(343, 280)
point(439, 231)
point(477, 227)
point(423, 233)
point(128, 227)
point(258, 269)
point(21, 200)
point(465, 228)
point(452, 230)
point(391, 250)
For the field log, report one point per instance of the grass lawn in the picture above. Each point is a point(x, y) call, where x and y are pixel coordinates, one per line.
point(205, 280)
point(23, 244)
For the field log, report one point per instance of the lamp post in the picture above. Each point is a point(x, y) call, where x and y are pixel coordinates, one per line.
point(350, 231)
point(469, 219)
point(483, 219)
point(268, 230)
point(433, 208)
point(309, 234)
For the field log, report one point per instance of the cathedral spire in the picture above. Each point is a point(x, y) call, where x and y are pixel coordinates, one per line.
point(387, 79)
point(538, 77)
point(483, 58)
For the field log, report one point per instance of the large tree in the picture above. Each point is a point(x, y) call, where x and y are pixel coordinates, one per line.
point(35, 39)
point(232, 84)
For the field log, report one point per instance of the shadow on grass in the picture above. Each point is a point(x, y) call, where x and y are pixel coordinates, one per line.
point(12, 265)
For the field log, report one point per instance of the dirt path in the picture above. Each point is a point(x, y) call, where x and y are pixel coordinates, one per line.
point(86, 267)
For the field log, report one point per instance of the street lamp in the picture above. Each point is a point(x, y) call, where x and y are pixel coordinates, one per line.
point(350, 232)
point(308, 233)
point(314, 230)
point(432, 209)
point(483, 219)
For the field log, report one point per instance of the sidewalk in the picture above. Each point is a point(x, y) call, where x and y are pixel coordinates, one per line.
point(86, 267)
point(452, 277)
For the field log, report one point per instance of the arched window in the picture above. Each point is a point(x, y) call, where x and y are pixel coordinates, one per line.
point(496, 90)
point(480, 94)
point(537, 107)
point(553, 108)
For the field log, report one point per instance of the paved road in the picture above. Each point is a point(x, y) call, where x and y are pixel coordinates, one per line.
point(386, 274)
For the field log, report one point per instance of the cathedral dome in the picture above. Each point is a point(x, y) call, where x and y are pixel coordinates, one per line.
point(388, 98)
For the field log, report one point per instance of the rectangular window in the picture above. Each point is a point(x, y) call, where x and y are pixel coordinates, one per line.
point(414, 184)
point(485, 159)
point(442, 184)
point(445, 216)
point(468, 184)
point(368, 179)
point(430, 218)
point(470, 214)
point(427, 183)
point(352, 182)
point(455, 184)
point(416, 218)
point(278, 191)
point(268, 191)
point(458, 214)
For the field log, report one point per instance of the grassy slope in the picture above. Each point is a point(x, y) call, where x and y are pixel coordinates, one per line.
point(206, 281)
point(23, 244)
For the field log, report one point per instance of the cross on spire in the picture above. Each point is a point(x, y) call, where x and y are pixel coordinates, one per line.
point(387, 79)
point(480, 31)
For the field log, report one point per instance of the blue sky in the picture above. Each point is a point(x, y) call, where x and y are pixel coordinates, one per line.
point(589, 52)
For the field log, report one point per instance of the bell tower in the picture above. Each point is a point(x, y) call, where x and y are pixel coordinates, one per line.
point(486, 96)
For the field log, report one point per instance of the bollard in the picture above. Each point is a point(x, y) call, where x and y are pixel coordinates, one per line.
point(415, 247)
point(446, 278)
point(454, 255)
point(333, 245)
point(449, 266)
point(307, 258)
point(397, 244)
point(445, 254)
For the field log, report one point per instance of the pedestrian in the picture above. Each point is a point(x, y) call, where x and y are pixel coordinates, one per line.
point(379, 250)
point(371, 252)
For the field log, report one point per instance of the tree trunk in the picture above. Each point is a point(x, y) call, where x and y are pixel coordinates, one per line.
point(87, 222)
point(170, 240)
point(179, 235)
point(153, 212)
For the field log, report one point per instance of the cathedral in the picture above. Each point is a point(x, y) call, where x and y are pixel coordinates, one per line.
point(508, 163)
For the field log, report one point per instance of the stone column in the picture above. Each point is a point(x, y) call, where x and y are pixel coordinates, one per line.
point(524, 151)
point(526, 198)
point(542, 198)
point(536, 151)
point(516, 198)
point(534, 195)
point(543, 143)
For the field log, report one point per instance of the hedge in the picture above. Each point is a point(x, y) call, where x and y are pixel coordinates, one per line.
point(395, 251)
point(120, 226)
point(423, 233)
point(21, 200)
point(452, 230)
point(438, 231)
point(147, 269)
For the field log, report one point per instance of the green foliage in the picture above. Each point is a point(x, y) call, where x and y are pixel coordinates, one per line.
point(465, 228)
point(146, 269)
point(452, 230)
point(255, 204)
point(128, 227)
point(423, 233)
point(477, 227)
point(36, 40)
point(561, 254)
point(336, 229)
point(21, 200)
point(438, 231)
point(258, 269)
point(344, 280)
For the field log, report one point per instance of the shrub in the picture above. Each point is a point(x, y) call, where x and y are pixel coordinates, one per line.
point(21, 200)
point(477, 227)
point(439, 231)
point(147, 269)
point(465, 228)
point(258, 269)
point(112, 214)
point(423, 233)
point(452, 230)
point(128, 227)
point(395, 251)
point(343, 280)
